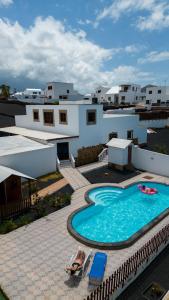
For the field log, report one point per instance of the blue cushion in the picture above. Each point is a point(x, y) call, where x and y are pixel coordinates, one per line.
point(98, 266)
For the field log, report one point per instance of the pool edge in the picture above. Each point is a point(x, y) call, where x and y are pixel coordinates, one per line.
point(118, 245)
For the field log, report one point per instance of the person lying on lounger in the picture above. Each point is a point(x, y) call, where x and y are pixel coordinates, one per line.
point(77, 264)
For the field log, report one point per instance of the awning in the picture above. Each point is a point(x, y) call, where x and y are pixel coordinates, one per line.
point(119, 143)
point(37, 134)
point(6, 172)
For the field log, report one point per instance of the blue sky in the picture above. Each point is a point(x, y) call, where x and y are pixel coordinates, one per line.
point(87, 42)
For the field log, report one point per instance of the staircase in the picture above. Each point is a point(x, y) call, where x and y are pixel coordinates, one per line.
point(103, 156)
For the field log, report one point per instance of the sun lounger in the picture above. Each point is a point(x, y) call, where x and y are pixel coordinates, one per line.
point(82, 271)
point(98, 268)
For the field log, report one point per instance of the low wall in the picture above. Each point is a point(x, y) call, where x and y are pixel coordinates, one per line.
point(150, 161)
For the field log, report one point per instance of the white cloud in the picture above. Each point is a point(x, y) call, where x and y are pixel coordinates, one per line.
point(47, 51)
point(154, 57)
point(157, 17)
point(6, 2)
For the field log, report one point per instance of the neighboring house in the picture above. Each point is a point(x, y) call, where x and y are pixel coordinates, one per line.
point(75, 125)
point(131, 93)
point(119, 94)
point(157, 95)
point(30, 95)
point(99, 96)
point(61, 91)
point(112, 95)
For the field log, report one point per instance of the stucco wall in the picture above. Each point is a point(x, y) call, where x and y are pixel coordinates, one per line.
point(118, 156)
point(72, 128)
point(33, 163)
point(150, 161)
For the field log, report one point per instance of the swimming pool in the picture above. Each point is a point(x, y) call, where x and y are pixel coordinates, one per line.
point(117, 217)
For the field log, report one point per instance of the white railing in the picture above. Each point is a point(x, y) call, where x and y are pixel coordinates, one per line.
point(103, 154)
point(71, 157)
point(57, 162)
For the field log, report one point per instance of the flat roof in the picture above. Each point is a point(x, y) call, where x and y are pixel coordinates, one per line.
point(6, 172)
point(37, 134)
point(18, 144)
point(115, 115)
point(119, 143)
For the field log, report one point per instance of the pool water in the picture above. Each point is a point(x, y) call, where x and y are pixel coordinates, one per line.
point(117, 213)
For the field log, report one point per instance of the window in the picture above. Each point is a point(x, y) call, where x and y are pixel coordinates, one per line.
point(113, 135)
point(129, 134)
point(99, 91)
point(34, 93)
point(159, 91)
point(150, 92)
point(49, 87)
point(63, 116)
point(91, 117)
point(62, 97)
point(50, 97)
point(48, 117)
point(123, 98)
point(109, 98)
point(147, 101)
point(158, 101)
point(36, 115)
point(67, 91)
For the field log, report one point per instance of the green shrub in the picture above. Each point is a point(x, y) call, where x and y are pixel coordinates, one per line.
point(24, 220)
point(161, 149)
point(87, 155)
point(7, 226)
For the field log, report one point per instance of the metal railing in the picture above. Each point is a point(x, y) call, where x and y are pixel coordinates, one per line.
point(57, 162)
point(120, 279)
point(103, 154)
point(73, 163)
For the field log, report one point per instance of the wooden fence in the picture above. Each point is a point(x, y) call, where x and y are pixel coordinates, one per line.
point(130, 267)
point(10, 210)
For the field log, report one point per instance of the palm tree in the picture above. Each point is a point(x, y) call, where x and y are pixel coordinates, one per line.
point(4, 91)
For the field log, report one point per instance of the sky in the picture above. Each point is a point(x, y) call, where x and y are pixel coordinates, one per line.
point(87, 42)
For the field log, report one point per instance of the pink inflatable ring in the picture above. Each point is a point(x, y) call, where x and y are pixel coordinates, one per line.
point(147, 190)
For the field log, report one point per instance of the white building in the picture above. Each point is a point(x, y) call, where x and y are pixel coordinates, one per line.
point(61, 91)
point(99, 96)
point(74, 125)
point(119, 94)
point(157, 95)
point(30, 95)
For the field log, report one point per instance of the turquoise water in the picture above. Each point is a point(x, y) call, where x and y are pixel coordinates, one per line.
point(119, 213)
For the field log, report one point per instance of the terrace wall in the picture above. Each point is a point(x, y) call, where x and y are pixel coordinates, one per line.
point(150, 161)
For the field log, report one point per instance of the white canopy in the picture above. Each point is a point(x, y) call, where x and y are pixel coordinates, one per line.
point(38, 134)
point(7, 172)
point(119, 143)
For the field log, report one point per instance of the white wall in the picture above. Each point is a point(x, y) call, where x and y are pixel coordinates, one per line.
point(33, 163)
point(89, 135)
point(150, 161)
point(118, 156)
point(72, 128)
point(163, 96)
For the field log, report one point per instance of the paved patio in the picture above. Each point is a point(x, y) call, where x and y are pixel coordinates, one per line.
point(33, 258)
